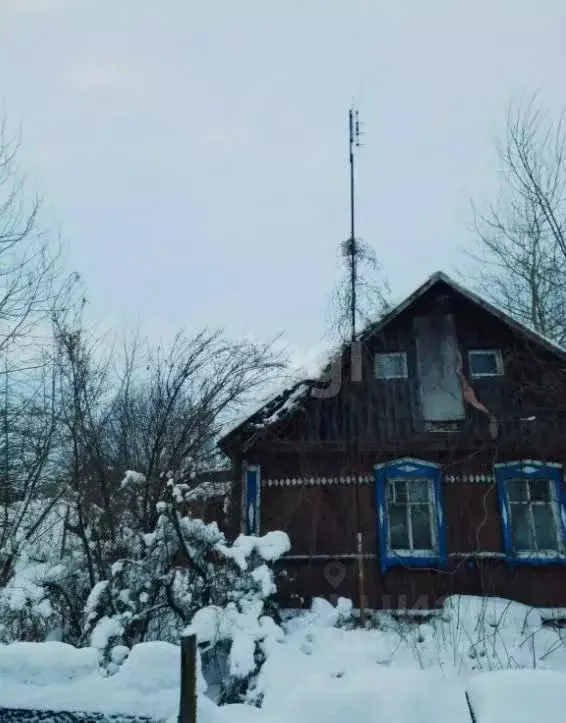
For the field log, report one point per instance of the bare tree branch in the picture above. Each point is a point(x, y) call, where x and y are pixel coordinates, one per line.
point(521, 259)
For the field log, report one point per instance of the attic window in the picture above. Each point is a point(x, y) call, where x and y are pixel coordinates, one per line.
point(485, 363)
point(391, 365)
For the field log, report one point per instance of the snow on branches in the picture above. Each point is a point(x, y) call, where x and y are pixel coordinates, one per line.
point(149, 586)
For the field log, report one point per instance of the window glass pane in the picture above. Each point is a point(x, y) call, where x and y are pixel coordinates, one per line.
point(520, 527)
point(398, 528)
point(418, 490)
point(545, 528)
point(391, 366)
point(420, 517)
point(483, 362)
point(390, 487)
point(400, 490)
point(540, 490)
point(517, 490)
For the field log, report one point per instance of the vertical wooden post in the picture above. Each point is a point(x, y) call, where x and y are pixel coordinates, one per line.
point(361, 581)
point(188, 702)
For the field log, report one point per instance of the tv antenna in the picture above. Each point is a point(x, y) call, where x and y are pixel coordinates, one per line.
point(351, 250)
point(351, 247)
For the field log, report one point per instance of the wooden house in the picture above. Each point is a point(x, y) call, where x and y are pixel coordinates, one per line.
point(432, 449)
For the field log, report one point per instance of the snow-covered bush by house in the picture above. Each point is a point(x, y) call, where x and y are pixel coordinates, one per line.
point(241, 628)
point(147, 586)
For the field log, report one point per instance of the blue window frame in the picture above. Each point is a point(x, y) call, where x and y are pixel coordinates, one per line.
point(532, 510)
point(410, 522)
point(251, 499)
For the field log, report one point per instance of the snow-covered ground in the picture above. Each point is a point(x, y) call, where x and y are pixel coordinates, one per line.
point(56, 676)
point(513, 667)
point(493, 655)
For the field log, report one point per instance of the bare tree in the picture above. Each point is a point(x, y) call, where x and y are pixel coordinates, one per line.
point(31, 288)
point(172, 404)
point(157, 413)
point(28, 267)
point(29, 469)
point(371, 289)
point(522, 243)
point(130, 433)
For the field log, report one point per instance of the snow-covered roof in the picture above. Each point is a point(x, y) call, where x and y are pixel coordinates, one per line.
point(209, 484)
point(208, 489)
point(271, 413)
point(292, 398)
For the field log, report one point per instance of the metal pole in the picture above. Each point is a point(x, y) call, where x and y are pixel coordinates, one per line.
point(353, 248)
point(353, 260)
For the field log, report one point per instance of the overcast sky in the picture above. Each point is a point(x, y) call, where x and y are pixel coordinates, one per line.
point(193, 155)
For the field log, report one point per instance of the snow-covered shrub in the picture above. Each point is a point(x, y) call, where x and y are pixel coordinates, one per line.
point(182, 569)
point(26, 611)
point(112, 595)
point(239, 629)
point(38, 585)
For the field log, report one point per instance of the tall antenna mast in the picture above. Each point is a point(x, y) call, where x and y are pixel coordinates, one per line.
point(351, 250)
point(352, 244)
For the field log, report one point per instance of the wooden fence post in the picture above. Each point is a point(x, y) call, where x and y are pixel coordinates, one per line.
point(188, 702)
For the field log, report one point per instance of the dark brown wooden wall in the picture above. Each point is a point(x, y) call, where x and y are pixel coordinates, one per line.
point(209, 509)
point(543, 586)
point(320, 521)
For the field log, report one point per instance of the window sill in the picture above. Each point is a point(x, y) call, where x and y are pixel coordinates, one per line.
point(535, 559)
point(412, 559)
point(443, 427)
